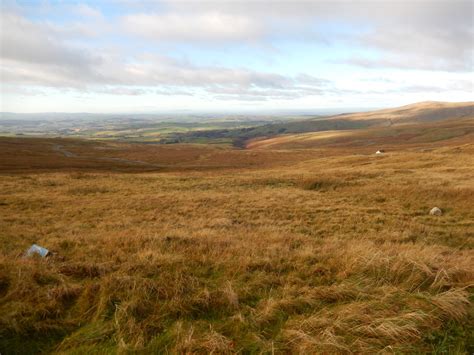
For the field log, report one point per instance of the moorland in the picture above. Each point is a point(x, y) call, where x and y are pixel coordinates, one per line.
point(283, 237)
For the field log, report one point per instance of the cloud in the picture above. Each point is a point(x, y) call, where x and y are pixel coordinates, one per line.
point(208, 26)
point(418, 34)
point(436, 46)
point(35, 54)
point(38, 54)
point(122, 91)
point(87, 11)
point(28, 47)
point(413, 88)
point(137, 53)
point(412, 61)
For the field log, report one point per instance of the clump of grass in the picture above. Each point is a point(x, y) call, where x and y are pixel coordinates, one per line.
point(49, 183)
point(276, 182)
point(88, 190)
point(80, 176)
point(4, 284)
point(454, 338)
point(81, 270)
point(323, 184)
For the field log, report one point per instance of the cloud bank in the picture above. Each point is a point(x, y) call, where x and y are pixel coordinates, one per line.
point(236, 50)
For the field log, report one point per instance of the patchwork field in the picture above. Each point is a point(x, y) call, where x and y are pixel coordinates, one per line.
point(296, 245)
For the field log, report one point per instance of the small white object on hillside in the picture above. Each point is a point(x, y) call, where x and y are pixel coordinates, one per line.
point(435, 211)
point(36, 249)
point(381, 151)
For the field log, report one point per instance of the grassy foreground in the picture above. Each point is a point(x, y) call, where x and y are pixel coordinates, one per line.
point(331, 253)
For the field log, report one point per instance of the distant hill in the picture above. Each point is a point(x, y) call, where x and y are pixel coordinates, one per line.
point(456, 131)
point(221, 129)
point(419, 112)
point(427, 111)
point(410, 114)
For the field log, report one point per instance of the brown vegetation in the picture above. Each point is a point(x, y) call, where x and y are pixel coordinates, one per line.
point(327, 250)
point(428, 111)
point(412, 136)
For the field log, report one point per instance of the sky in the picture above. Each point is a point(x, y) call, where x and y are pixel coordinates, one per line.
point(242, 56)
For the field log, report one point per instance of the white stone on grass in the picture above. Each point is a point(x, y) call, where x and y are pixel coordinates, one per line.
point(435, 211)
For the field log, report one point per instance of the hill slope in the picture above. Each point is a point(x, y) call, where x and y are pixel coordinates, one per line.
point(414, 113)
point(427, 111)
point(424, 134)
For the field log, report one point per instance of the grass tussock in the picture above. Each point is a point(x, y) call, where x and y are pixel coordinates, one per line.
point(323, 184)
point(86, 190)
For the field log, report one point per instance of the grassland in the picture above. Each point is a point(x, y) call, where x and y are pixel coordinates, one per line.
point(286, 247)
point(423, 112)
point(415, 136)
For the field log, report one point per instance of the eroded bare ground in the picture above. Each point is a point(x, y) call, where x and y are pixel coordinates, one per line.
point(321, 250)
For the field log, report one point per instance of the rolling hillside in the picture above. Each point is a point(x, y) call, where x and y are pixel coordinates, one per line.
point(409, 135)
point(410, 114)
point(427, 111)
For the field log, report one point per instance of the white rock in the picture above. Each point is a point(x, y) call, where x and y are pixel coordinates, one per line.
point(435, 211)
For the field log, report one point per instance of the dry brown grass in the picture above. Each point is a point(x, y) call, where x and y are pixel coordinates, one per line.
point(23, 155)
point(426, 111)
point(412, 136)
point(311, 252)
